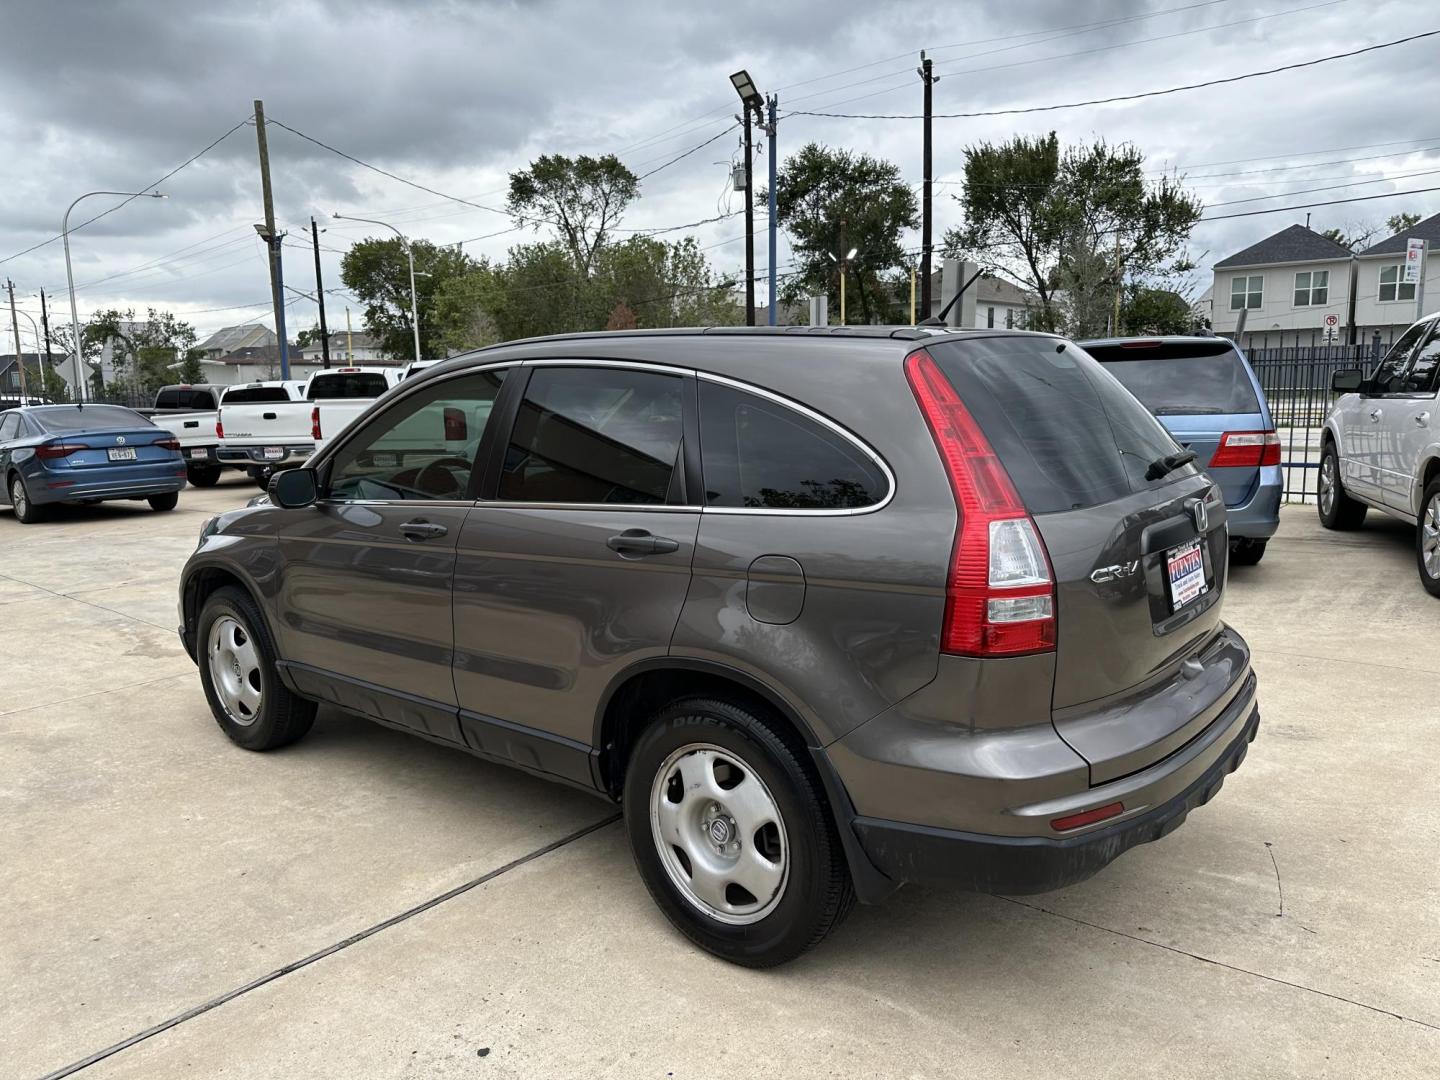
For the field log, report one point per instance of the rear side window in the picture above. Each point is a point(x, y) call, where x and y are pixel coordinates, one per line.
point(255, 395)
point(88, 418)
point(1182, 379)
point(352, 384)
point(9, 426)
point(595, 435)
point(1068, 433)
point(757, 453)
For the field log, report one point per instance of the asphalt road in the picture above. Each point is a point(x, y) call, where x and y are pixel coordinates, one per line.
point(365, 904)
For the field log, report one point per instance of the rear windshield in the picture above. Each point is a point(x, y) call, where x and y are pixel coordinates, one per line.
point(1182, 378)
point(243, 395)
point(355, 384)
point(184, 397)
point(88, 418)
point(1069, 434)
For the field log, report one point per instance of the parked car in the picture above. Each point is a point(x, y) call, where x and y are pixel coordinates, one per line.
point(53, 454)
point(342, 394)
point(1380, 446)
point(415, 367)
point(1206, 394)
point(190, 413)
point(824, 612)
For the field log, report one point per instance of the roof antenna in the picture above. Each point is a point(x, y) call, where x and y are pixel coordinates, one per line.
point(939, 320)
point(1307, 220)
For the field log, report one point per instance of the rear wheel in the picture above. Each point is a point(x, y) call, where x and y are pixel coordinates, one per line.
point(26, 512)
point(1427, 539)
point(262, 478)
point(1246, 552)
point(731, 834)
point(168, 501)
point(203, 475)
point(237, 670)
point(1337, 510)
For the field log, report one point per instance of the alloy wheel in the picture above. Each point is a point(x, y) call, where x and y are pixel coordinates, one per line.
point(235, 669)
point(18, 502)
point(1327, 483)
point(719, 834)
point(1430, 537)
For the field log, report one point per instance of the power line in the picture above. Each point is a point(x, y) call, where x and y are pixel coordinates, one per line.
point(1332, 187)
point(1306, 153)
point(687, 153)
point(1123, 97)
point(146, 188)
point(1310, 206)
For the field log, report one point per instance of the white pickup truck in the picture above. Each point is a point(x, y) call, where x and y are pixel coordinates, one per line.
point(189, 412)
point(277, 425)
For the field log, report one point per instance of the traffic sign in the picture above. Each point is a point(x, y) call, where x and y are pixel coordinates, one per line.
point(1332, 321)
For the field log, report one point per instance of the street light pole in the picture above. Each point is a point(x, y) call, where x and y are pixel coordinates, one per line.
point(751, 102)
point(410, 255)
point(70, 278)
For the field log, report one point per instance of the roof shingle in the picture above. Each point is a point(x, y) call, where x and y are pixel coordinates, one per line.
point(1429, 229)
point(1295, 244)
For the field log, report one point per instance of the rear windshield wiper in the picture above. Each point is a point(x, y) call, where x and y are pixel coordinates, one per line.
point(1161, 467)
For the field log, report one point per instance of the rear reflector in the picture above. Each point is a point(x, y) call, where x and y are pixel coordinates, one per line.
point(1087, 817)
point(999, 593)
point(51, 451)
point(1246, 449)
point(315, 422)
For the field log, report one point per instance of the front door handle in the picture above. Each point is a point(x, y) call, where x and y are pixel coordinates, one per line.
point(640, 542)
point(420, 529)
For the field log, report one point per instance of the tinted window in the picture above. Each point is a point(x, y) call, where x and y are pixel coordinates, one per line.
point(88, 418)
point(169, 398)
point(1182, 379)
point(1421, 378)
point(354, 384)
point(758, 453)
point(594, 435)
point(1390, 372)
point(9, 426)
point(254, 395)
point(197, 399)
point(422, 448)
point(1068, 433)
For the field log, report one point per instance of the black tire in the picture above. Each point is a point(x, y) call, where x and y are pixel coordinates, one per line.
point(26, 512)
point(262, 478)
point(1246, 552)
point(1427, 533)
point(1343, 513)
point(817, 891)
point(203, 476)
point(168, 501)
point(281, 717)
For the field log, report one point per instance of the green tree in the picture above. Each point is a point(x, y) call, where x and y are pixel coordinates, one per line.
point(581, 198)
point(830, 201)
point(1147, 310)
point(662, 284)
point(378, 272)
point(1083, 221)
point(1402, 222)
point(147, 353)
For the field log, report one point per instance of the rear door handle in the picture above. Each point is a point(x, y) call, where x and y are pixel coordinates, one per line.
point(1423, 419)
point(640, 542)
point(419, 529)
point(269, 415)
point(1375, 416)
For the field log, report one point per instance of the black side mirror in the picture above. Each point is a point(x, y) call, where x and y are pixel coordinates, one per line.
point(1349, 381)
point(291, 489)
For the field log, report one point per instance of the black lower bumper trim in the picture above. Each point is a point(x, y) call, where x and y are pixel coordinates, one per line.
point(1020, 865)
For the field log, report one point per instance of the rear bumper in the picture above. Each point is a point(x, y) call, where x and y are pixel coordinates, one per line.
point(152, 480)
point(1259, 516)
point(291, 454)
point(1019, 865)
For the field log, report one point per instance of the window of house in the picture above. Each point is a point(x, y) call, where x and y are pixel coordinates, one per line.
point(1010, 318)
point(595, 435)
point(1391, 287)
point(990, 318)
point(1312, 287)
point(760, 454)
point(1245, 292)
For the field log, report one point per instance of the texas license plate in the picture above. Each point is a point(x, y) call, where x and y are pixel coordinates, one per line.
point(274, 453)
point(1185, 570)
point(121, 453)
point(200, 452)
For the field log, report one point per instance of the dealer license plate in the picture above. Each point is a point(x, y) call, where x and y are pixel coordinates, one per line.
point(121, 453)
point(1185, 569)
point(274, 453)
point(200, 452)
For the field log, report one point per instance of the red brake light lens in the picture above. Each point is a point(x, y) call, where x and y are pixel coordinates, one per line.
point(1000, 592)
point(1246, 449)
point(168, 444)
point(315, 422)
point(219, 429)
point(51, 451)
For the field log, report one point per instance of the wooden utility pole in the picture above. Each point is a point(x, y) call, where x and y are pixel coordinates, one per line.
point(45, 323)
point(19, 349)
point(320, 294)
point(272, 241)
point(927, 76)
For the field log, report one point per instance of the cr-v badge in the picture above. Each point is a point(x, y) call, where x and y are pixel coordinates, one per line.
point(1114, 573)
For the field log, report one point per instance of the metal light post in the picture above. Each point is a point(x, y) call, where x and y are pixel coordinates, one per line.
point(751, 104)
point(844, 264)
point(410, 255)
point(70, 277)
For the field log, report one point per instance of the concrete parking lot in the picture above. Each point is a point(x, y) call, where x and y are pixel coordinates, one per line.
point(153, 871)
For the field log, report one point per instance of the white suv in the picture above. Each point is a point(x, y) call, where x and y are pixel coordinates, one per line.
point(1381, 445)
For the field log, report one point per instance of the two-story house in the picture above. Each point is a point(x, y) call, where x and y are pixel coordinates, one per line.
point(1384, 302)
point(1286, 285)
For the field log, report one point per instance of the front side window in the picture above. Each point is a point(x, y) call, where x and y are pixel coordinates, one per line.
point(1424, 374)
point(1391, 287)
point(1312, 287)
point(1389, 377)
point(595, 435)
point(759, 454)
point(423, 448)
point(1246, 292)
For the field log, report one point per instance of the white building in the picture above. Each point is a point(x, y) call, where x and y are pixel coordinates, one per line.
point(345, 345)
point(1383, 302)
point(1286, 285)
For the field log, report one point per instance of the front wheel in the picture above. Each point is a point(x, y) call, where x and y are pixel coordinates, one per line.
point(1337, 510)
point(168, 501)
point(732, 836)
point(1246, 552)
point(1427, 539)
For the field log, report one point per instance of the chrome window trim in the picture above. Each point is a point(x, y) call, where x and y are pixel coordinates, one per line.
point(823, 421)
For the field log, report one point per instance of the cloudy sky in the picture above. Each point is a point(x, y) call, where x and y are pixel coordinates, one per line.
point(455, 95)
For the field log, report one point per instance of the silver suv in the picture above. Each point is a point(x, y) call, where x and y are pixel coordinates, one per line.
point(825, 611)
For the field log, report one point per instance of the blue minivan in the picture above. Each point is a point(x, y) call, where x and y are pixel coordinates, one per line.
point(1206, 394)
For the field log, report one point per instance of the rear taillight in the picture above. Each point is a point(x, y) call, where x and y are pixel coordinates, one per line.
point(219, 428)
point(51, 451)
point(1000, 593)
point(1246, 449)
point(315, 422)
point(168, 444)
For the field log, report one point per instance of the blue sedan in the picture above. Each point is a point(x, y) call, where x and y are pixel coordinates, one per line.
point(51, 454)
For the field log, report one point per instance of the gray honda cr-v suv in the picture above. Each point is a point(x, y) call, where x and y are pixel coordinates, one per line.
point(824, 610)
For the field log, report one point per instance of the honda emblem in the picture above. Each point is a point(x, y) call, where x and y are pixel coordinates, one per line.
point(1201, 515)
